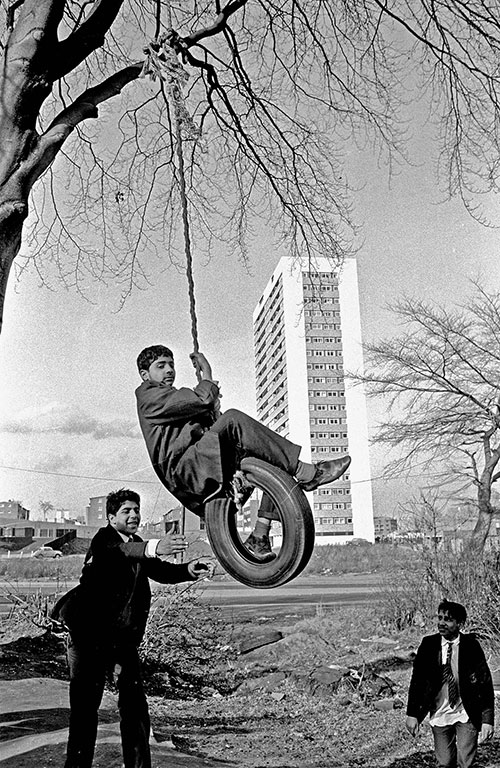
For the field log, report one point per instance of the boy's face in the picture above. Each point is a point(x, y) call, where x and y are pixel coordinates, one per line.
point(448, 627)
point(127, 519)
point(162, 371)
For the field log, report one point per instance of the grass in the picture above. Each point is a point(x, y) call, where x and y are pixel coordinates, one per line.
point(358, 557)
point(349, 558)
point(66, 568)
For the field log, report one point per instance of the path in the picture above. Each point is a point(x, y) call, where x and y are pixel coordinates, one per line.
point(33, 729)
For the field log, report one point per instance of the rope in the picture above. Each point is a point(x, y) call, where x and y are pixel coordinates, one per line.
point(187, 239)
point(162, 62)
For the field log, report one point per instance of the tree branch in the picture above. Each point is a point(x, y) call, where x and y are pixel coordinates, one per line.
point(88, 37)
point(218, 26)
point(83, 108)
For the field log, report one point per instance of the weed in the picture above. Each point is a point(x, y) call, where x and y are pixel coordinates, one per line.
point(411, 595)
point(188, 645)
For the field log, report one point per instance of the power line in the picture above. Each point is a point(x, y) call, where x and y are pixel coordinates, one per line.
point(153, 482)
point(75, 476)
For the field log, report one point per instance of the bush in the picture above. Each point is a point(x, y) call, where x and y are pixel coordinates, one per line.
point(28, 616)
point(28, 613)
point(188, 646)
point(411, 595)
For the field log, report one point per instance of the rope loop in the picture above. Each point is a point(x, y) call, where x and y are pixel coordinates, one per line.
point(162, 62)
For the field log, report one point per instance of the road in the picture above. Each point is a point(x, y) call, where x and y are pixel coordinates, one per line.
point(305, 594)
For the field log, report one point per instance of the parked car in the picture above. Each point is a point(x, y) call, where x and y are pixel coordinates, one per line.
point(46, 552)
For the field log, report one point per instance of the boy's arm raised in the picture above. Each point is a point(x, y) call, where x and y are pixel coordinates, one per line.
point(162, 405)
point(202, 366)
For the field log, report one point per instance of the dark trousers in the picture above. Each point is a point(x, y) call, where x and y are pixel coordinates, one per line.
point(89, 664)
point(455, 745)
point(241, 436)
point(214, 457)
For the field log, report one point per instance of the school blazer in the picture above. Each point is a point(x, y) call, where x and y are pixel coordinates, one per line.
point(172, 422)
point(112, 601)
point(474, 679)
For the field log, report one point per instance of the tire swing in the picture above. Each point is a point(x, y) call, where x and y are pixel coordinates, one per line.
point(297, 528)
point(289, 500)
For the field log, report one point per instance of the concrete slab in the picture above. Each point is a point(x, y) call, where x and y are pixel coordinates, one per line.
point(33, 729)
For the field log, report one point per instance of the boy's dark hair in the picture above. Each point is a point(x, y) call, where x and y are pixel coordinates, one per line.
point(115, 499)
point(150, 354)
point(455, 610)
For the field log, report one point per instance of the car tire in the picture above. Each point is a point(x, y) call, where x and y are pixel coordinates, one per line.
point(296, 520)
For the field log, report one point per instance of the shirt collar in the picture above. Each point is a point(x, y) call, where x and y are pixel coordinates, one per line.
point(124, 536)
point(444, 641)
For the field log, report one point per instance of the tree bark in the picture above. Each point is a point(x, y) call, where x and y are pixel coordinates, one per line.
point(12, 216)
point(485, 512)
point(30, 157)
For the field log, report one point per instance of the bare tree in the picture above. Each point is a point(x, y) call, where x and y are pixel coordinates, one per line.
point(262, 95)
point(423, 515)
point(440, 380)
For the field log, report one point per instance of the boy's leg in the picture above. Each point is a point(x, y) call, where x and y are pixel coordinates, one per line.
point(133, 707)
point(467, 736)
point(239, 436)
point(445, 746)
point(87, 673)
point(259, 543)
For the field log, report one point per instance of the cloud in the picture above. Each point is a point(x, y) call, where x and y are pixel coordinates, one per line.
point(55, 463)
point(59, 418)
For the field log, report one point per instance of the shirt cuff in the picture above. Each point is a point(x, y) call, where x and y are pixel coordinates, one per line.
point(151, 547)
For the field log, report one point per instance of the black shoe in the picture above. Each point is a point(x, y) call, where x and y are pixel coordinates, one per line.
point(260, 548)
point(327, 472)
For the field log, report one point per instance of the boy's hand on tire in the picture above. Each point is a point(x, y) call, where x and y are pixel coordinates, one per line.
point(202, 568)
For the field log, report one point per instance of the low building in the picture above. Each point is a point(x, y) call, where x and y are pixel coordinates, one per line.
point(13, 510)
point(95, 512)
point(384, 526)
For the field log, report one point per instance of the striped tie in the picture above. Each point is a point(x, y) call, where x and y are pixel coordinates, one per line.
point(449, 679)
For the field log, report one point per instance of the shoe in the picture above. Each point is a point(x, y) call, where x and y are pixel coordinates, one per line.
point(260, 548)
point(327, 472)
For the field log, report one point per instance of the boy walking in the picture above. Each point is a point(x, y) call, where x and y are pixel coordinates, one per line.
point(194, 453)
point(106, 616)
point(451, 681)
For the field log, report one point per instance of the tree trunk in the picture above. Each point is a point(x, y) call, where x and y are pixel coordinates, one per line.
point(484, 517)
point(12, 216)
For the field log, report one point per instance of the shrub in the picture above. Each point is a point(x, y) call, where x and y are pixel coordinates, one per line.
point(188, 646)
point(411, 595)
point(28, 615)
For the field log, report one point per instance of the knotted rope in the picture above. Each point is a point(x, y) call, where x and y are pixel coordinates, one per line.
point(162, 62)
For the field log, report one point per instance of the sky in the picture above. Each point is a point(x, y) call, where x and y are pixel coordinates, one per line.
point(68, 425)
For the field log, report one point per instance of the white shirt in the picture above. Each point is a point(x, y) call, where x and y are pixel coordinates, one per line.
point(443, 714)
point(150, 546)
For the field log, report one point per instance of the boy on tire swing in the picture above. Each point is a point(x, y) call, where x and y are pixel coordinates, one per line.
point(194, 453)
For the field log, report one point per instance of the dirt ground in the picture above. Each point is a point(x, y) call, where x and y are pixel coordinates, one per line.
point(271, 720)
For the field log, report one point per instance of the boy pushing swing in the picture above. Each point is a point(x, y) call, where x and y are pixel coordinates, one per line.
point(194, 453)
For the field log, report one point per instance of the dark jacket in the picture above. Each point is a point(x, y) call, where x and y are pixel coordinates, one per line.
point(172, 422)
point(111, 603)
point(474, 680)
